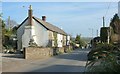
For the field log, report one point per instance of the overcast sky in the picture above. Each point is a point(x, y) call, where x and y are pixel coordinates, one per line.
point(73, 17)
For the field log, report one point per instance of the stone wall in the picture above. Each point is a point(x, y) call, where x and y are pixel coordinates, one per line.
point(65, 49)
point(37, 52)
point(61, 49)
point(68, 48)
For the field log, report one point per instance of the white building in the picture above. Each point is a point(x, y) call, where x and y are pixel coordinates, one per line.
point(119, 9)
point(41, 32)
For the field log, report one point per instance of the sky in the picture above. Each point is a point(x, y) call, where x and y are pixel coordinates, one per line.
point(73, 17)
point(60, 0)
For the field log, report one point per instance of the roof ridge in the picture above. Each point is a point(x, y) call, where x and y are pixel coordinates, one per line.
point(47, 25)
point(50, 26)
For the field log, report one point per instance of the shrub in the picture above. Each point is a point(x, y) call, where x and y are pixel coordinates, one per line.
point(104, 58)
point(101, 50)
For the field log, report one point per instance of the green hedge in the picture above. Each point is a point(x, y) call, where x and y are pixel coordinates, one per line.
point(104, 34)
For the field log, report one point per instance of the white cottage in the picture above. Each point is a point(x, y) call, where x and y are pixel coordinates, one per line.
point(41, 32)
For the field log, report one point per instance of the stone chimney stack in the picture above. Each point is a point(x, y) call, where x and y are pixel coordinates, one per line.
point(30, 14)
point(44, 18)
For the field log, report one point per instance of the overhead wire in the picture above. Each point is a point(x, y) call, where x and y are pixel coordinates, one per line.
point(107, 9)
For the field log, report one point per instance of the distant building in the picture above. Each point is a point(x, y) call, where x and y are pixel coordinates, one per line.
point(40, 32)
point(119, 9)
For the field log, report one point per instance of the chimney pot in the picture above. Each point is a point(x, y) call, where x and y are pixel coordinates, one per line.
point(30, 7)
point(44, 18)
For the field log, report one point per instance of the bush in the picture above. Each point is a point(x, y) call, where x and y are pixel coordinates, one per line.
point(103, 50)
point(104, 58)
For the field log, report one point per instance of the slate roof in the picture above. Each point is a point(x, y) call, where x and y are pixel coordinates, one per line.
point(50, 26)
point(47, 25)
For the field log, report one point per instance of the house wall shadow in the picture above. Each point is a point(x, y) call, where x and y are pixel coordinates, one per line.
point(19, 56)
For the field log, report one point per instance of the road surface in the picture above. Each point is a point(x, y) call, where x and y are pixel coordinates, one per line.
point(67, 62)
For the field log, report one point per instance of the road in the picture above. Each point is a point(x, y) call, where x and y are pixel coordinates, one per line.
point(67, 62)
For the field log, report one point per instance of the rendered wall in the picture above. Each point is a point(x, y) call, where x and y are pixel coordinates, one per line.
point(26, 36)
point(20, 32)
point(60, 40)
point(36, 32)
point(40, 34)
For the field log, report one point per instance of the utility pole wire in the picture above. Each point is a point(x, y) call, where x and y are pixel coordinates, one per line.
point(106, 14)
point(107, 9)
point(91, 32)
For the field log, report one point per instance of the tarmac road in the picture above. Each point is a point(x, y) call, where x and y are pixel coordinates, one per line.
point(67, 62)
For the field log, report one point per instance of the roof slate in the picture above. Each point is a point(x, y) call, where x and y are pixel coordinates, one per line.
point(50, 26)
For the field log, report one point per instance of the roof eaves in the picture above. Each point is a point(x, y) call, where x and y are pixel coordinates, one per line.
point(22, 23)
point(56, 29)
point(40, 23)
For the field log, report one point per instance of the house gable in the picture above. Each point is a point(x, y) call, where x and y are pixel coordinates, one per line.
point(50, 26)
point(22, 22)
point(40, 23)
point(46, 25)
point(40, 33)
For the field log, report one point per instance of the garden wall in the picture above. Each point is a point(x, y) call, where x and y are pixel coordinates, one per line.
point(37, 52)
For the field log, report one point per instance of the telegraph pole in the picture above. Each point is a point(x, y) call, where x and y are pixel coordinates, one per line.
point(97, 33)
point(103, 21)
point(108, 35)
point(9, 24)
point(91, 31)
point(108, 32)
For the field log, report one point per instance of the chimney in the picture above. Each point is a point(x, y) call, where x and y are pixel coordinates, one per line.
point(44, 18)
point(30, 14)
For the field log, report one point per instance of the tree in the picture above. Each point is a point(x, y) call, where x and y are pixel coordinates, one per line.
point(10, 24)
point(115, 29)
point(79, 40)
point(115, 18)
point(7, 42)
point(0, 15)
point(115, 24)
point(14, 30)
point(3, 32)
